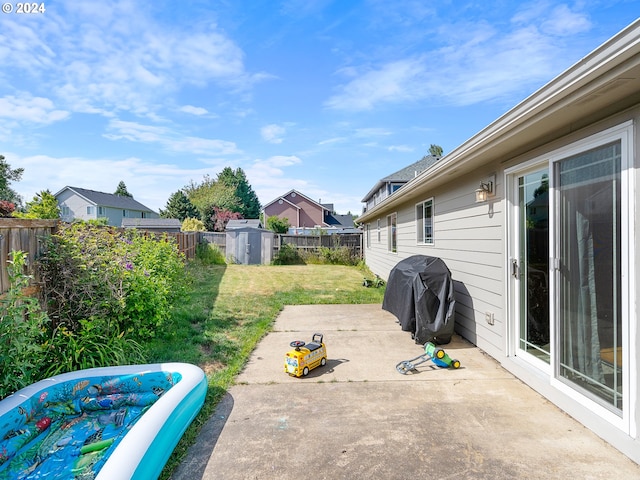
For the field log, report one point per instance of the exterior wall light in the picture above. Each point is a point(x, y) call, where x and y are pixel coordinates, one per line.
point(487, 189)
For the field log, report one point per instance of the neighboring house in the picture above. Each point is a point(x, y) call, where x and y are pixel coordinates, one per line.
point(83, 204)
point(169, 225)
point(243, 223)
point(389, 184)
point(536, 218)
point(305, 214)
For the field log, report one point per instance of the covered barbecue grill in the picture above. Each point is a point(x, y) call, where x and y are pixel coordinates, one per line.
point(420, 294)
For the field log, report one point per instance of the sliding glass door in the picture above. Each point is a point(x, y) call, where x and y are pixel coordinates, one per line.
point(569, 299)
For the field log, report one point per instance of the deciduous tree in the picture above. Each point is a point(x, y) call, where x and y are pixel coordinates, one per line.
point(277, 224)
point(43, 205)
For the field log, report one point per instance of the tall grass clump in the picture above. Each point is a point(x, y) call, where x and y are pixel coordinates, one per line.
point(209, 254)
point(22, 327)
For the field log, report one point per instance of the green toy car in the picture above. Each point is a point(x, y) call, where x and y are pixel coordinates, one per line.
point(431, 352)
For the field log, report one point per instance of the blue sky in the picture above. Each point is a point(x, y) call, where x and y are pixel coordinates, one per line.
point(325, 97)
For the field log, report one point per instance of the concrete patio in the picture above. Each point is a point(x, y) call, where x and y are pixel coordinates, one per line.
point(358, 418)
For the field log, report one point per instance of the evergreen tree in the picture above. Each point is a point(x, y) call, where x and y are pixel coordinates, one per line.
point(179, 206)
point(8, 175)
point(435, 150)
point(122, 190)
point(247, 198)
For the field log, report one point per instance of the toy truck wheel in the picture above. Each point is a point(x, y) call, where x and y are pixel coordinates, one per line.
point(455, 363)
point(323, 362)
point(439, 353)
point(305, 372)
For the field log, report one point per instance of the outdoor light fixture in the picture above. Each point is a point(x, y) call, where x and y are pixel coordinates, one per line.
point(486, 189)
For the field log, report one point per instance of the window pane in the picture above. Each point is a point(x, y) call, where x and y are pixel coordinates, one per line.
point(391, 233)
point(428, 222)
point(533, 200)
point(420, 222)
point(590, 280)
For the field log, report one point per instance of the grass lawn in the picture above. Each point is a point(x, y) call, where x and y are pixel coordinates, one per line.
point(231, 308)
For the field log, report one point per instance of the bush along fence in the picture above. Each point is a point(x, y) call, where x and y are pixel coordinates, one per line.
point(302, 246)
point(29, 236)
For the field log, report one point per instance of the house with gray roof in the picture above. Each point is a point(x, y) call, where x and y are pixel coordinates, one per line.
point(389, 184)
point(83, 204)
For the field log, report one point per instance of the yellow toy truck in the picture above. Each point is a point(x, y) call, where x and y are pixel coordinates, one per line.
point(305, 356)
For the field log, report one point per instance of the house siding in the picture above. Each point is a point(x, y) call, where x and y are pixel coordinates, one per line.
point(284, 210)
point(310, 213)
point(471, 239)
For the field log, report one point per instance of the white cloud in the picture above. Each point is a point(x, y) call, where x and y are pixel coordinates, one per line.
point(272, 133)
point(117, 57)
point(475, 62)
point(165, 137)
point(564, 22)
point(193, 110)
point(400, 148)
point(269, 179)
point(393, 82)
point(150, 183)
point(333, 140)
point(31, 109)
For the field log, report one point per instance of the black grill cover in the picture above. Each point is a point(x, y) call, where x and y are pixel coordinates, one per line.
point(420, 294)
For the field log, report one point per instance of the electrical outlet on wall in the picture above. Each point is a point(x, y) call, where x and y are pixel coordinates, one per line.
point(489, 317)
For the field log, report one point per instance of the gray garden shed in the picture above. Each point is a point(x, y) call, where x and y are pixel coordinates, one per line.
point(249, 246)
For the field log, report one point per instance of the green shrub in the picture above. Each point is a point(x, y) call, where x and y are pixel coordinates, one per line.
point(331, 256)
point(288, 255)
point(22, 324)
point(192, 225)
point(120, 280)
point(209, 254)
point(277, 224)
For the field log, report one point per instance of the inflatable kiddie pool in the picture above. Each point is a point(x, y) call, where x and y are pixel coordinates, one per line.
point(101, 423)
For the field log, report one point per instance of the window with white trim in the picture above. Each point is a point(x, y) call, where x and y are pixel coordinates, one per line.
point(368, 234)
point(392, 227)
point(424, 222)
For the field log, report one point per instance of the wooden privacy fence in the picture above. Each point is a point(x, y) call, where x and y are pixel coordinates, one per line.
point(353, 241)
point(24, 235)
point(186, 241)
